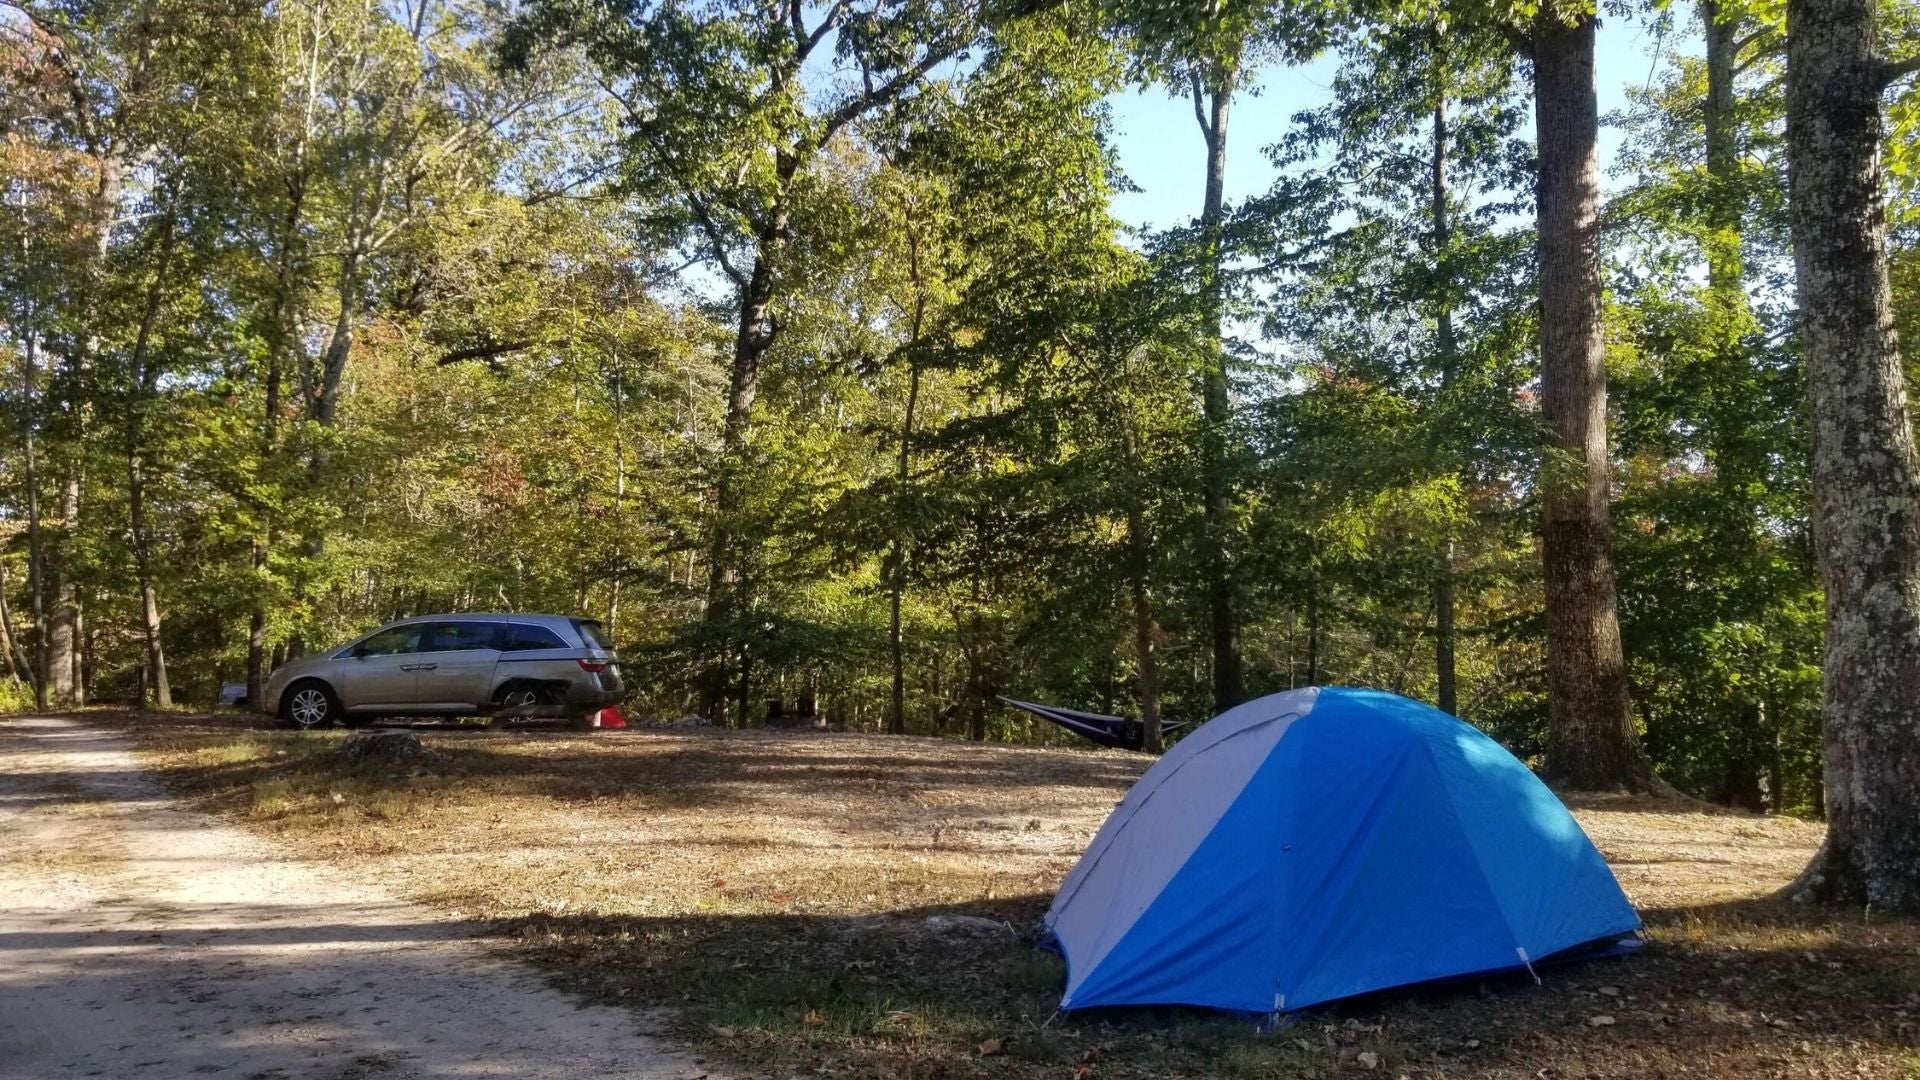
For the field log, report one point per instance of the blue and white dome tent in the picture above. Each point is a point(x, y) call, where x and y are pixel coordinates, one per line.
point(1322, 843)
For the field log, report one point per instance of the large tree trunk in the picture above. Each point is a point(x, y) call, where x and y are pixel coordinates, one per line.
point(1213, 104)
point(1591, 740)
point(752, 339)
point(1866, 476)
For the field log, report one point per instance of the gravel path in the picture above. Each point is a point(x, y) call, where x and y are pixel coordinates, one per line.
point(141, 939)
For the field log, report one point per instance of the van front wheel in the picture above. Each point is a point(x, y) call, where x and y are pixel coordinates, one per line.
point(311, 704)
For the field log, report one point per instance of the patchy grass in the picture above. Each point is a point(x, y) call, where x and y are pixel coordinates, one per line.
point(772, 891)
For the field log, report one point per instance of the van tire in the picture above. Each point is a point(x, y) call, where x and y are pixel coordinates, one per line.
point(515, 695)
point(310, 704)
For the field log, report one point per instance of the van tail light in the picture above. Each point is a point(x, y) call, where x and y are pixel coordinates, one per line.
point(593, 665)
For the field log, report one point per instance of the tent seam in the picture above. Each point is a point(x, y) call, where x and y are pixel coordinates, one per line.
point(1479, 862)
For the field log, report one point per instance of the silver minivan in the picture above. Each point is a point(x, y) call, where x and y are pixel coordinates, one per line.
point(502, 667)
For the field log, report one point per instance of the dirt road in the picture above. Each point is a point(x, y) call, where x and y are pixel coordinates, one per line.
point(141, 939)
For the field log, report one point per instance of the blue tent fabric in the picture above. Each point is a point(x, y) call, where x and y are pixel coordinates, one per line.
point(1323, 843)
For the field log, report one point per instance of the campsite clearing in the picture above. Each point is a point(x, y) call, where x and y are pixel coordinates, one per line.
point(780, 892)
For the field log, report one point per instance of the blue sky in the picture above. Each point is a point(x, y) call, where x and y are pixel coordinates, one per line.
point(1161, 151)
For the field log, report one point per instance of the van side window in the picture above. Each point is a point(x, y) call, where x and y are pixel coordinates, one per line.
point(522, 637)
point(392, 640)
point(459, 636)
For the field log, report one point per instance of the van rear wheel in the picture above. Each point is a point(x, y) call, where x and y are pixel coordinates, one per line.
point(515, 700)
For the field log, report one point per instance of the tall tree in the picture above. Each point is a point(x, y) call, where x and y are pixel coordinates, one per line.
point(1592, 740)
point(723, 130)
point(1208, 51)
point(1397, 267)
point(1866, 472)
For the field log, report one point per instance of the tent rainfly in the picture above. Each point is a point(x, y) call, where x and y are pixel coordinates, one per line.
point(1323, 843)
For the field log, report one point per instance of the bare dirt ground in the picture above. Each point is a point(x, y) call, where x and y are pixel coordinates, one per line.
point(773, 891)
point(144, 940)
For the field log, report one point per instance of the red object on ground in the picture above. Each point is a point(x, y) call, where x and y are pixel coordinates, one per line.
point(609, 717)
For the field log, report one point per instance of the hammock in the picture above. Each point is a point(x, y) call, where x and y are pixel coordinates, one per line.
point(1116, 732)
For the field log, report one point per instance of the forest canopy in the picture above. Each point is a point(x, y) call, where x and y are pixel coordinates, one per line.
point(801, 346)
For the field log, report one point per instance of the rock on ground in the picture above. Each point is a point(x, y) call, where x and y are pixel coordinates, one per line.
point(397, 750)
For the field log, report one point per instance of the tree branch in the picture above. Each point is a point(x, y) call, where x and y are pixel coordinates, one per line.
point(712, 229)
point(888, 91)
point(1199, 106)
point(1892, 71)
point(827, 23)
point(493, 349)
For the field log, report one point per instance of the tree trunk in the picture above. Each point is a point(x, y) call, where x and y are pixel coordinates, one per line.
point(1146, 628)
point(156, 654)
point(1447, 687)
point(897, 562)
point(36, 553)
point(63, 622)
point(142, 385)
point(1866, 476)
point(281, 333)
point(752, 339)
point(1313, 634)
point(1223, 599)
point(63, 660)
point(1445, 341)
point(902, 476)
point(1725, 264)
point(1591, 740)
point(12, 654)
point(143, 565)
point(82, 654)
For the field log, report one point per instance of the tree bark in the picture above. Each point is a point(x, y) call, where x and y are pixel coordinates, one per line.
point(1445, 341)
point(1591, 740)
point(142, 384)
point(1725, 265)
point(902, 476)
point(13, 656)
point(897, 559)
point(1146, 627)
point(752, 339)
point(1866, 475)
point(281, 333)
point(1313, 633)
point(63, 621)
point(1730, 320)
point(36, 553)
point(1213, 105)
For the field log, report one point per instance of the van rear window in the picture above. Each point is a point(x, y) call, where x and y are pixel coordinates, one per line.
point(522, 637)
point(592, 634)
